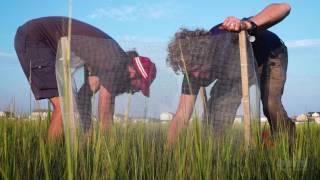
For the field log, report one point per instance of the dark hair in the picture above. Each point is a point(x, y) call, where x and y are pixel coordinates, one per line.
point(132, 53)
point(189, 49)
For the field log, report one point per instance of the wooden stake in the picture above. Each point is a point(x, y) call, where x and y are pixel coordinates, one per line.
point(67, 103)
point(245, 86)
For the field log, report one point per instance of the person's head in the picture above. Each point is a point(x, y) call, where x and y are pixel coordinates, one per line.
point(142, 73)
point(189, 52)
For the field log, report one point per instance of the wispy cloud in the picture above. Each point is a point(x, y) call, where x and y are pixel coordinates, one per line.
point(133, 12)
point(3, 54)
point(303, 43)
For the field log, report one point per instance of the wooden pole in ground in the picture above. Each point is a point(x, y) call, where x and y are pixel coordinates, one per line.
point(63, 74)
point(245, 86)
point(68, 108)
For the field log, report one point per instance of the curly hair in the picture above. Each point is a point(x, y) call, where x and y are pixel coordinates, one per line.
point(190, 49)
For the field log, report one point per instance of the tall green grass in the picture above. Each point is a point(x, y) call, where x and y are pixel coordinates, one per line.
point(138, 151)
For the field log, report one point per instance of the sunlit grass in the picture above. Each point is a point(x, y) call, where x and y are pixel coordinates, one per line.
point(138, 151)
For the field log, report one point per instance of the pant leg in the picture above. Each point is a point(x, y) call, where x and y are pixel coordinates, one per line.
point(272, 81)
point(223, 104)
point(84, 104)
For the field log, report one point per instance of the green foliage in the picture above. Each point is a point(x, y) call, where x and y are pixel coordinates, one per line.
point(138, 151)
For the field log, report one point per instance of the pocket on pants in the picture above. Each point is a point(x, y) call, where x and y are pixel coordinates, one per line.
point(277, 69)
point(43, 76)
point(42, 68)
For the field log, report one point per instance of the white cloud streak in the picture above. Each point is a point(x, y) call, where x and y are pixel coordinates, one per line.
point(3, 54)
point(133, 12)
point(303, 43)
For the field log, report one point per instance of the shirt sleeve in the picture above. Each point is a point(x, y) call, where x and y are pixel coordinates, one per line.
point(192, 87)
point(116, 79)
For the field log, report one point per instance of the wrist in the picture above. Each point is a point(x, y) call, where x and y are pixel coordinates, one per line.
point(246, 25)
point(250, 26)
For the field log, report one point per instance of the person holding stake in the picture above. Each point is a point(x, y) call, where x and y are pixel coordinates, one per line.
point(271, 57)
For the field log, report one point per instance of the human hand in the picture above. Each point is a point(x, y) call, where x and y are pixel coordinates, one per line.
point(234, 24)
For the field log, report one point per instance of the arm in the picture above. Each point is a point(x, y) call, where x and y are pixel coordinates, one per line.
point(181, 117)
point(271, 15)
point(268, 17)
point(106, 108)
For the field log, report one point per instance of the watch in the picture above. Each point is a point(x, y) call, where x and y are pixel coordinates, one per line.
point(253, 29)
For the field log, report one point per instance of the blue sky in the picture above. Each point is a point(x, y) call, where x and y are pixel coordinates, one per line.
point(148, 25)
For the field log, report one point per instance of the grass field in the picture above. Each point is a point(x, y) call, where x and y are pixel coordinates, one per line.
point(138, 151)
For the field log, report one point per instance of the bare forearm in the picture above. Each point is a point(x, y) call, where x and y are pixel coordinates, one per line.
point(106, 111)
point(106, 108)
point(181, 118)
point(271, 15)
point(178, 123)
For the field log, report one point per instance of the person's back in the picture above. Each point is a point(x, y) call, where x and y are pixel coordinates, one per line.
point(51, 29)
point(265, 42)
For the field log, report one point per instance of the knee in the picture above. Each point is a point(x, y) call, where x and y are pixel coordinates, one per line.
point(55, 101)
point(57, 110)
